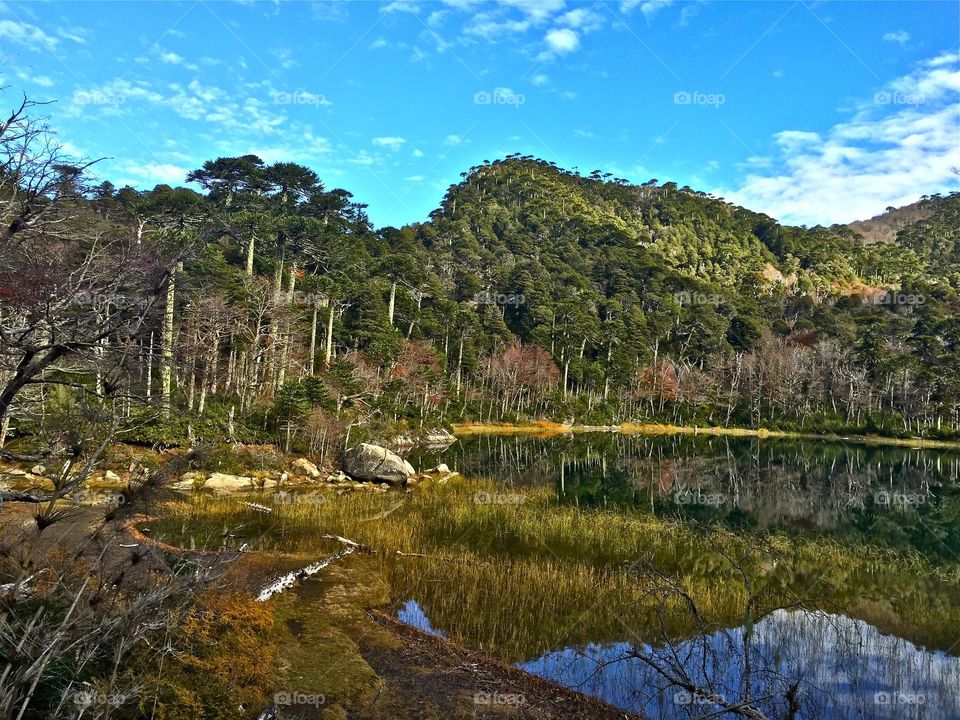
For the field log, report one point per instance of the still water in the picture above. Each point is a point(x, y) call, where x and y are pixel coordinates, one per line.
point(901, 497)
point(827, 664)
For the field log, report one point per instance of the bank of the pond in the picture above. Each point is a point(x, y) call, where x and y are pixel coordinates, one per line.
point(546, 428)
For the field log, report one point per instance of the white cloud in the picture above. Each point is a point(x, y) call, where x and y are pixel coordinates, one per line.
point(74, 34)
point(407, 6)
point(489, 28)
point(29, 35)
point(158, 173)
point(581, 19)
point(562, 40)
point(43, 81)
point(894, 149)
point(539, 80)
point(171, 58)
point(452, 140)
point(392, 143)
point(437, 17)
point(537, 10)
point(649, 8)
point(414, 178)
point(378, 43)
point(901, 37)
point(417, 153)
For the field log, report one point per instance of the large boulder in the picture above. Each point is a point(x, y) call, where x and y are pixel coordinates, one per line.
point(372, 462)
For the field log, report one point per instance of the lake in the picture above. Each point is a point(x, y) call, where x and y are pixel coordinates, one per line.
point(906, 498)
point(849, 653)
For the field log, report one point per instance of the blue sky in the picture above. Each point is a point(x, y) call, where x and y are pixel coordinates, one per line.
point(815, 112)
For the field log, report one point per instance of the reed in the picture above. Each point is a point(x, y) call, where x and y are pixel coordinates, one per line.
point(516, 573)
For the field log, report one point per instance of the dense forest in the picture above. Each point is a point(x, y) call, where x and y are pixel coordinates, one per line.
point(267, 307)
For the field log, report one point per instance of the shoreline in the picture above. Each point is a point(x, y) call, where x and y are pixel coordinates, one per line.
point(545, 429)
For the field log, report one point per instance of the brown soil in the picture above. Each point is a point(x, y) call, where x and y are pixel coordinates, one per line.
point(432, 678)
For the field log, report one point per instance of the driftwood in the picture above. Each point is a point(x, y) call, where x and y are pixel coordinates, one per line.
point(285, 582)
point(359, 547)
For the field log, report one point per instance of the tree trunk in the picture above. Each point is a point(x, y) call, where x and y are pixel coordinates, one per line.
point(393, 302)
point(166, 354)
point(313, 335)
point(150, 368)
point(250, 246)
point(328, 356)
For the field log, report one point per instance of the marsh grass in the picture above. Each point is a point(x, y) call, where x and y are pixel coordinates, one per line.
point(522, 574)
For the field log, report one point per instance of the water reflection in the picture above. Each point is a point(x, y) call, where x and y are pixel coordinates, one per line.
point(897, 496)
point(839, 667)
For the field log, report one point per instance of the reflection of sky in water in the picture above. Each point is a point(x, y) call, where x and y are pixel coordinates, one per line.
point(411, 614)
point(846, 668)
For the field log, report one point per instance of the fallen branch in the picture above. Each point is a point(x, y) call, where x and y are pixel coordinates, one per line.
point(285, 582)
point(359, 547)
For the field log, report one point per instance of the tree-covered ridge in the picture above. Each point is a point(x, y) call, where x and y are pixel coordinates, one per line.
point(268, 305)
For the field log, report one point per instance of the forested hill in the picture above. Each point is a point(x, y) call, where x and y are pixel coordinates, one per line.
point(268, 307)
point(608, 267)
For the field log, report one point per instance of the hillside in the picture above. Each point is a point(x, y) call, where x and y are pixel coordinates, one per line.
point(883, 228)
point(269, 308)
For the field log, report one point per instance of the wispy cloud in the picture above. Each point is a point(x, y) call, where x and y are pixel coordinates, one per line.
point(900, 145)
point(391, 143)
point(649, 8)
point(30, 36)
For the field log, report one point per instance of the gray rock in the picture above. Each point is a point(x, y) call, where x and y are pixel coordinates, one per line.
point(438, 437)
point(441, 468)
point(222, 481)
point(38, 469)
point(111, 476)
point(188, 481)
point(375, 463)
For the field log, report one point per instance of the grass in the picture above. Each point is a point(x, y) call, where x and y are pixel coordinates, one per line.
point(520, 577)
